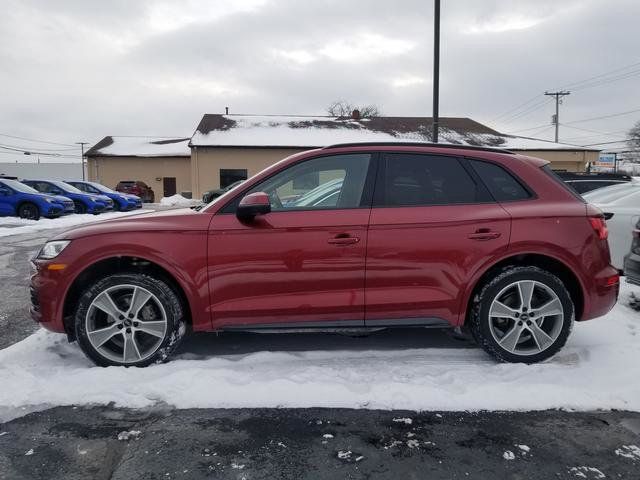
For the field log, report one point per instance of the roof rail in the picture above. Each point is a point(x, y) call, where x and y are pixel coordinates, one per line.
point(419, 144)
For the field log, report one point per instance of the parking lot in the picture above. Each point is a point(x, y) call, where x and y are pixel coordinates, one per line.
point(371, 389)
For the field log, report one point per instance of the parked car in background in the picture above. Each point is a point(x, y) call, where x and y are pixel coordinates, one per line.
point(138, 188)
point(211, 195)
point(451, 236)
point(587, 182)
point(632, 259)
point(122, 201)
point(18, 199)
point(621, 207)
point(84, 202)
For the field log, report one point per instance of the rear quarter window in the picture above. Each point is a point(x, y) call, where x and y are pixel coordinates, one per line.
point(503, 186)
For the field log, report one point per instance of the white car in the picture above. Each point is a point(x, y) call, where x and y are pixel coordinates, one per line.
point(621, 206)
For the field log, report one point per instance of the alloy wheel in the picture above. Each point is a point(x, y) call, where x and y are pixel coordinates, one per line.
point(126, 323)
point(526, 317)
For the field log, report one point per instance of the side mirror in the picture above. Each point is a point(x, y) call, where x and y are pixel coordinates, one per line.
point(257, 203)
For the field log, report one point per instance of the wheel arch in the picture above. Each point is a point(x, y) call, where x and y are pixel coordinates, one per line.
point(546, 262)
point(120, 264)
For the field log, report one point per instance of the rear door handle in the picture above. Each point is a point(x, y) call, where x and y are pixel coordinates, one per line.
point(484, 234)
point(343, 239)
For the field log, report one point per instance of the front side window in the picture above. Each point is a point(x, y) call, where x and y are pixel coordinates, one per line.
point(413, 179)
point(334, 182)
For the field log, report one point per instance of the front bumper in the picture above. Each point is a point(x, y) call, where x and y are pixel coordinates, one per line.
point(44, 292)
point(632, 268)
point(53, 211)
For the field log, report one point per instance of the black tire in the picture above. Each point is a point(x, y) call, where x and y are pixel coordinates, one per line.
point(479, 321)
point(176, 323)
point(80, 207)
point(29, 211)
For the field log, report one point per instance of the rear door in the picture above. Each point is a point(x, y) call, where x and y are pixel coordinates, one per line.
point(433, 223)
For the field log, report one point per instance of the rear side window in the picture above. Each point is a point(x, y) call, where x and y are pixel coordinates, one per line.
point(414, 179)
point(502, 185)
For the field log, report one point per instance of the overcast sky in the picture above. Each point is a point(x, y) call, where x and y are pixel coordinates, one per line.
point(77, 70)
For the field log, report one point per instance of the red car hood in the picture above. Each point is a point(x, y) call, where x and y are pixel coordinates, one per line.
point(179, 219)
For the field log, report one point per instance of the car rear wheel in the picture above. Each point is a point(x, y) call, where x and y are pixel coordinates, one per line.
point(129, 320)
point(523, 314)
point(29, 211)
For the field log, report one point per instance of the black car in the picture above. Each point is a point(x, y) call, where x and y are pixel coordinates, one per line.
point(586, 182)
point(632, 259)
point(213, 194)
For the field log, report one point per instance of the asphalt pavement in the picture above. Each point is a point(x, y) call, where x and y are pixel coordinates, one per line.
point(161, 443)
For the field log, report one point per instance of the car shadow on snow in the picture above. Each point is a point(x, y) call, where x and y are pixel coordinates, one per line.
point(202, 345)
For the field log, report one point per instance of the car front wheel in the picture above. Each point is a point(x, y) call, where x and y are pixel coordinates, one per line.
point(523, 314)
point(29, 211)
point(129, 320)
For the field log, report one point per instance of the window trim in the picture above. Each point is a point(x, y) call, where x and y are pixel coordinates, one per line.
point(380, 188)
point(365, 198)
point(532, 194)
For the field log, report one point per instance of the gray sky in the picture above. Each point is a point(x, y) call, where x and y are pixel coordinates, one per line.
point(81, 69)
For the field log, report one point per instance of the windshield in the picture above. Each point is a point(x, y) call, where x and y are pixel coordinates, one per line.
point(18, 186)
point(98, 188)
point(65, 186)
point(610, 194)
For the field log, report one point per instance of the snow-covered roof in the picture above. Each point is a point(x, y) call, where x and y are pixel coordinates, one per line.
point(305, 131)
point(141, 147)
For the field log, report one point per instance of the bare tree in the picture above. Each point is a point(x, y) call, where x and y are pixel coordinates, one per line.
point(634, 142)
point(342, 108)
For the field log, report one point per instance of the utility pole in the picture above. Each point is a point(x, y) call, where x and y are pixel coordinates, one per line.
point(82, 144)
point(436, 69)
point(556, 117)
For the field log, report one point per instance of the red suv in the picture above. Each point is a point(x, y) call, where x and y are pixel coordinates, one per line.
point(352, 236)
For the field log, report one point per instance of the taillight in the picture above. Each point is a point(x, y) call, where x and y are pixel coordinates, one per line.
point(635, 246)
point(600, 227)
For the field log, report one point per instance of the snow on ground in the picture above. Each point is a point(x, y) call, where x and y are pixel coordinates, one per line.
point(598, 369)
point(18, 226)
point(177, 200)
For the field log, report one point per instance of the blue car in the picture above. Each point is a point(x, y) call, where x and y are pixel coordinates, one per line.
point(17, 199)
point(122, 201)
point(84, 202)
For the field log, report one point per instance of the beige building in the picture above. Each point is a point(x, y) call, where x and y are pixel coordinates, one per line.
point(164, 164)
point(227, 148)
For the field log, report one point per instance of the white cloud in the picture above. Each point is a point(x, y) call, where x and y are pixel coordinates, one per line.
point(408, 81)
point(503, 23)
point(366, 47)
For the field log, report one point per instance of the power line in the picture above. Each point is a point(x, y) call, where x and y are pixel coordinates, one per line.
point(576, 85)
point(607, 143)
point(602, 117)
point(37, 141)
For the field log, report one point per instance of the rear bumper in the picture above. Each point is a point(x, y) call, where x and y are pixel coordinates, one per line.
point(602, 293)
point(632, 268)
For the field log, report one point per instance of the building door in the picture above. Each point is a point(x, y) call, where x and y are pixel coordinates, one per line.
point(169, 186)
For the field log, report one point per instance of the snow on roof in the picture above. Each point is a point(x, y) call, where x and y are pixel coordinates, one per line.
point(141, 147)
point(305, 131)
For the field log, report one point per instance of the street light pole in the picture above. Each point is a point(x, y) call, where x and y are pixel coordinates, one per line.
point(82, 144)
point(436, 70)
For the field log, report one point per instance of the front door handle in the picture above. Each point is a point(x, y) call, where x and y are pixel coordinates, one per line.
point(343, 239)
point(484, 234)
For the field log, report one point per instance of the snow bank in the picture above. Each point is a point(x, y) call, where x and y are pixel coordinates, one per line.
point(598, 369)
point(177, 200)
point(18, 226)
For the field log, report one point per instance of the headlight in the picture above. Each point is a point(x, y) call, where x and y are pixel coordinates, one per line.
point(53, 249)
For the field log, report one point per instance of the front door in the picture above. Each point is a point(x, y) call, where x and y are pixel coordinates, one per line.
point(432, 224)
point(169, 186)
point(304, 261)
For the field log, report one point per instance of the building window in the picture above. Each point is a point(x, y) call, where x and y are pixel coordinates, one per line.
point(231, 175)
